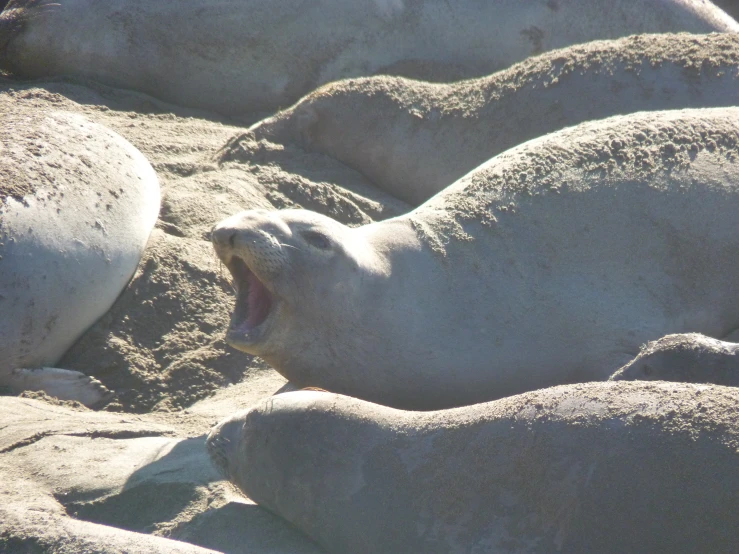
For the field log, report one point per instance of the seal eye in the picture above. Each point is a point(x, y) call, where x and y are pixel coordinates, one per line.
point(317, 239)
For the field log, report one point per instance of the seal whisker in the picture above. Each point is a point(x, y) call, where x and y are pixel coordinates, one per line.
point(290, 246)
point(226, 277)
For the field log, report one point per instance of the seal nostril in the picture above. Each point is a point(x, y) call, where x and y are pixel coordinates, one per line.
point(223, 236)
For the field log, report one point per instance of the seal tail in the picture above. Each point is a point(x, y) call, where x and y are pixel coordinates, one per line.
point(14, 16)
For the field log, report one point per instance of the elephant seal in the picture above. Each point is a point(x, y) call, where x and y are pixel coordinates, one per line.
point(77, 204)
point(688, 358)
point(250, 55)
point(551, 263)
point(729, 6)
point(412, 139)
point(596, 467)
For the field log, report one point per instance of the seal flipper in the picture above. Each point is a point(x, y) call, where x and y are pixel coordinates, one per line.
point(14, 15)
point(61, 383)
point(688, 358)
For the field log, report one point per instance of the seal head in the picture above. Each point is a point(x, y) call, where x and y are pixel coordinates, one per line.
point(282, 265)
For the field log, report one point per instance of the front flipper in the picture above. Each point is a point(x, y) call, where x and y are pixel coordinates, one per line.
point(61, 383)
point(687, 358)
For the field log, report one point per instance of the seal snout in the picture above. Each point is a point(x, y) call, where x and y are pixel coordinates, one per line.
point(220, 444)
point(223, 236)
point(248, 244)
point(254, 237)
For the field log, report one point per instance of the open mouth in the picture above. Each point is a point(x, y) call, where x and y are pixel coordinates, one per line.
point(253, 300)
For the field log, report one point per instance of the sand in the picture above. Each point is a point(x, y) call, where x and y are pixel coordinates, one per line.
point(161, 348)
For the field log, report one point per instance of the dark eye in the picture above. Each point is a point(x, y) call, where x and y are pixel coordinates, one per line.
point(314, 238)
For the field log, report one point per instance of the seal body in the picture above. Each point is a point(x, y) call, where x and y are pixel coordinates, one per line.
point(246, 55)
point(729, 7)
point(78, 204)
point(551, 263)
point(412, 139)
point(595, 467)
point(688, 358)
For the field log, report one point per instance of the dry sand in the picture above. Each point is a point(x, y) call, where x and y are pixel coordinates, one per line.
point(161, 348)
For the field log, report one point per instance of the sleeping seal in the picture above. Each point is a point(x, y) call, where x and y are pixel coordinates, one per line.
point(412, 138)
point(235, 56)
point(77, 204)
point(595, 467)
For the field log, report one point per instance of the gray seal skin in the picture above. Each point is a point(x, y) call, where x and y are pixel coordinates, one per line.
point(412, 139)
point(77, 205)
point(552, 263)
point(595, 467)
point(729, 6)
point(236, 56)
point(688, 358)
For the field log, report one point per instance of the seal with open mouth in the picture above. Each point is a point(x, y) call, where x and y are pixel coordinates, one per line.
point(551, 263)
